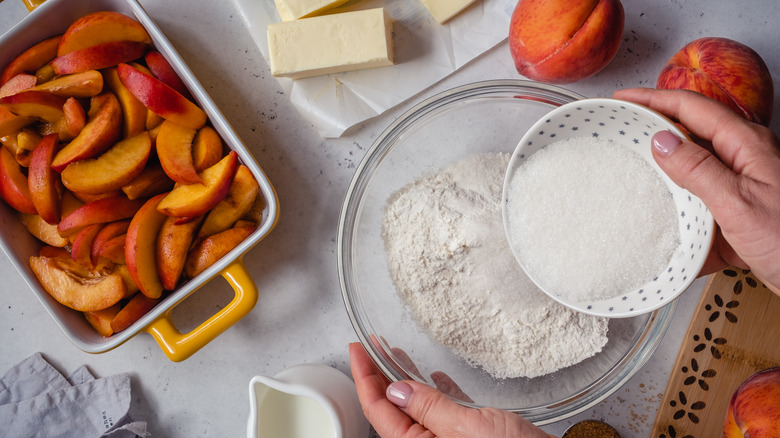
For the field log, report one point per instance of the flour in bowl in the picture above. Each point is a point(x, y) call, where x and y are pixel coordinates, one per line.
point(451, 263)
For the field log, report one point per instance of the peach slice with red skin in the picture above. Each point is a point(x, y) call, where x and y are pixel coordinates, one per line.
point(43, 182)
point(162, 70)
point(17, 84)
point(14, 188)
point(191, 200)
point(114, 250)
point(98, 57)
point(81, 249)
point(99, 211)
point(160, 98)
point(38, 104)
point(108, 232)
point(101, 27)
point(174, 149)
point(173, 245)
point(140, 247)
point(133, 111)
point(76, 287)
point(103, 129)
point(214, 247)
point(206, 148)
point(26, 141)
point(152, 181)
point(31, 59)
point(138, 306)
point(239, 199)
point(111, 170)
point(83, 84)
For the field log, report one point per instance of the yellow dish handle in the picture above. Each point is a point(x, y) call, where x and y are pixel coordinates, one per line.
point(179, 346)
point(32, 4)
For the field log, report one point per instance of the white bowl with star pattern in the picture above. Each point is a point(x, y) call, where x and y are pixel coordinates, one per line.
point(631, 126)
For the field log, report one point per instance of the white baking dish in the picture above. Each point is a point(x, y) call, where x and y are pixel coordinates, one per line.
point(50, 19)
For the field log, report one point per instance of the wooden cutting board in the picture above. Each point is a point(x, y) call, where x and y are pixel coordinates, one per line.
point(734, 332)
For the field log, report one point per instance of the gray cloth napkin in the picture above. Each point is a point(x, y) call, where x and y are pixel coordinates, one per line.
point(37, 401)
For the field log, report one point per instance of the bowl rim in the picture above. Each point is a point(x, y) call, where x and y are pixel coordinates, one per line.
point(648, 338)
point(669, 125)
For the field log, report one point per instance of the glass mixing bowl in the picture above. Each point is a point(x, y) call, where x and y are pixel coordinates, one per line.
point(488, 116)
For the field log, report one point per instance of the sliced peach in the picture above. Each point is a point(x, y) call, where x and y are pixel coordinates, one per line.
point(122, 270)
point(83, 84)
point(71, 286)
point(206, 148)
point(108, 232)
point(191, 200)
point(103, 129)
point(114, 250)
point(43, 182)
point(14, 188)
point(100, 320)
point(31, 59)
point(137, 307)
point(38, 104)
point(174, 149)
point(140, 247)
point(17, 84)
point(162, 70)
point(173, 244)
point(100, 211)
point(152, 181)
point(133, 110)
point(74, 121)
point(43, 231)
point(214, 247)
point(236, 204)
point(81, 250)
point(45, 74)
point(11, 123)
point(26, 141)
point(99, 56)
point(111, 170)
point(101, 27)
point(160, 98)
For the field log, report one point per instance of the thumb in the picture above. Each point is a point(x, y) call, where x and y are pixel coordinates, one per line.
point(695, 169)
point(444, 417)
point(429, 407)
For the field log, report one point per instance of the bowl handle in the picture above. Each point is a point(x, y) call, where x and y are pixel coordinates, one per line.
point(179, 346)
point(32, 4)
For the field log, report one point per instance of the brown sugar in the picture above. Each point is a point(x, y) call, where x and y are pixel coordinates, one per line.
point(591, 429)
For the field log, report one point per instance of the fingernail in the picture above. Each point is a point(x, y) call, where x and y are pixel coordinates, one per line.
point(664, 142)
point(399, 394)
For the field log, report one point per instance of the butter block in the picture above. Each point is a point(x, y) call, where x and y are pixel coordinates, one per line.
point(294, 9)
point(443, 10)
point(330, 44)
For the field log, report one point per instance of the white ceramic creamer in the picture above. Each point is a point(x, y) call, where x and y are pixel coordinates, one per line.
point(305, 401)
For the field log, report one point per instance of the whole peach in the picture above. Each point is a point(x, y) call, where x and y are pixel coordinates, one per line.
point(562, 41)
point(725, 70)
point(754, 409)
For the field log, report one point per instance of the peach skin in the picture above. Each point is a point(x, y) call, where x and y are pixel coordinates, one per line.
point(560, 41)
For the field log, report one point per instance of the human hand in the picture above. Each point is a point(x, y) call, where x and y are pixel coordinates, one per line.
point(739, 182)
point(409, 409)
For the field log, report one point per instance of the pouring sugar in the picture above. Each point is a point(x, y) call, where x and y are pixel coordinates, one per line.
point(589, 219)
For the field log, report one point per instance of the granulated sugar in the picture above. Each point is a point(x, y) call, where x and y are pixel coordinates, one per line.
point(590, 219)
point(451, 263)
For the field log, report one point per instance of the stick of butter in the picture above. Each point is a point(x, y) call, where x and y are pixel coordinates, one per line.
point(443, 10)
point(294, 9)
point(330, 44)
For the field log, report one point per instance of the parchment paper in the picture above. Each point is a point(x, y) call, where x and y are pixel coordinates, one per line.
point(425, 53)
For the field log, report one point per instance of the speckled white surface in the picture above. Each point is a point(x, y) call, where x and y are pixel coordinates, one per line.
point(300, 316)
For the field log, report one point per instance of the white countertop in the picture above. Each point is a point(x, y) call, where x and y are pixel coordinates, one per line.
point(300, 316)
